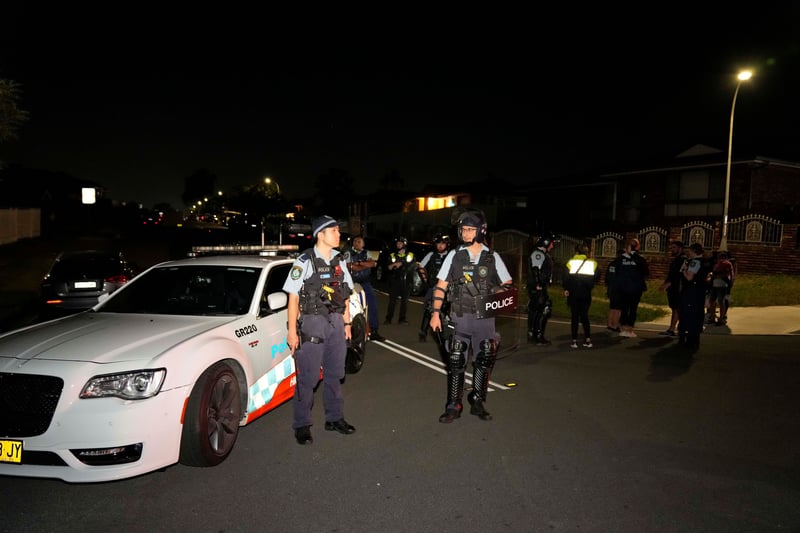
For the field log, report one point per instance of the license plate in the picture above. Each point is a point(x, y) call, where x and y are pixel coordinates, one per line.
point(85, 284)
point(10, 451)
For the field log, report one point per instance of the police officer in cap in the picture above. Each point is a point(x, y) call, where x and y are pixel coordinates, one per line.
point(469, 272)
point(319, 286)
point(540, 276)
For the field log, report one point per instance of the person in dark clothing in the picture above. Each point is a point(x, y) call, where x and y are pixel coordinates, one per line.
point(631, 280)
point(540, 276)
point(401, 263)
point(582, 274)
point(693, 297)
point(672, 285)
point(429, 270)
point(612, 292)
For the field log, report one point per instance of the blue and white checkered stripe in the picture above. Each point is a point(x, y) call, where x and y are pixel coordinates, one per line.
point(262, 391)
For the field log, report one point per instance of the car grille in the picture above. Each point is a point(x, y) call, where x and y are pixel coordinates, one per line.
point(27, 403)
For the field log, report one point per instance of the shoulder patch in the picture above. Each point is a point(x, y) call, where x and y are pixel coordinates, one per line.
point(296, 273)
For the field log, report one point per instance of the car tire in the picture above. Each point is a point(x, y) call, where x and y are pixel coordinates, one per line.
point(356, 346)
point(212, 418)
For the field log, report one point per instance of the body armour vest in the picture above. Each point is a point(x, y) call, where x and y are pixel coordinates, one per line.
point(325, 291)
point(434, 266)
point(467, 280)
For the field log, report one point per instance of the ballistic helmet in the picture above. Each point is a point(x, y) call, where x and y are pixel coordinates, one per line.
point(546, 240)
point(439, 237)
point(472, 219)
point(402, 239)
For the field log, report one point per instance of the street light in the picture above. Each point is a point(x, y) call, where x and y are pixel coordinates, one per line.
point(723, 243)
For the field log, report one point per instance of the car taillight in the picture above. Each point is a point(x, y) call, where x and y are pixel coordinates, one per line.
point(120, 279)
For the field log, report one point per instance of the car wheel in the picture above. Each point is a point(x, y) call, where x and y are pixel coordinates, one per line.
point(357, 346)
point(211, 423)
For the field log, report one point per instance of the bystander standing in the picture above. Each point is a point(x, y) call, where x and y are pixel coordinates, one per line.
point(631, 277)
point(672, 285)
point(582, 274)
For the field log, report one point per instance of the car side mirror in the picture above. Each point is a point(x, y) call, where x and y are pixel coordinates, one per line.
point(275, 302)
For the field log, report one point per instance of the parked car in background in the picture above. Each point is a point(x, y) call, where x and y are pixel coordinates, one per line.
point(77, 279)
point(164, 370)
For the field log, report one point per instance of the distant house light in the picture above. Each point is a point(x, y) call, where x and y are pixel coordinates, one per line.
point(88, 195)
point(432, 203)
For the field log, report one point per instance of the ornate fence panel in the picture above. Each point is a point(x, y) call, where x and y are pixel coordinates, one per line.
point(698, 231)
point(565, 248)
point(608, 243)
point(755, 229)
point(653, 240)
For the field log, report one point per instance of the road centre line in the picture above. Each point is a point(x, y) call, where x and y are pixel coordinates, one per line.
point(423, 360)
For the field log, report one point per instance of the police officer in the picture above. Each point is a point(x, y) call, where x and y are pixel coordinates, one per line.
point(693, 297)
point(540, 276)
point(319, 286)
point(360, 265)
point(401, 264)
point(469, 273)
point(428, 269)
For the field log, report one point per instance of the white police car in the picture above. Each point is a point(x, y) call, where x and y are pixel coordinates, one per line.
point(165, 370)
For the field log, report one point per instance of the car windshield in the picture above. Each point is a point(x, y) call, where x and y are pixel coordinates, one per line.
point(187, 290)
point(90, 265)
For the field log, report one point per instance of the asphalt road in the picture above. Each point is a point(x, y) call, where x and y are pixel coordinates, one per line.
point(631, 435)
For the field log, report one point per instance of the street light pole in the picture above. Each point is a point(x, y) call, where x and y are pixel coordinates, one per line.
point(723, 243)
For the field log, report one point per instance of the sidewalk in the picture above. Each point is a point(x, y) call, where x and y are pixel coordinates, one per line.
point(774, 320)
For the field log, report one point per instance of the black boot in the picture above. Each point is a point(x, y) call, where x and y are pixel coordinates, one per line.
point(476, 407)
point(484, 362)
point(455, 390)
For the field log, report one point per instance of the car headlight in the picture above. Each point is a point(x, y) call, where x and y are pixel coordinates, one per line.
point(135, 385)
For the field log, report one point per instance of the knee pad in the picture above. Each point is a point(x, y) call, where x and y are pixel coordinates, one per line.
point(457, 360)
point(487, 354)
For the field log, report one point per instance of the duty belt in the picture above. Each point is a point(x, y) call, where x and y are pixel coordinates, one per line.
point(311, 339)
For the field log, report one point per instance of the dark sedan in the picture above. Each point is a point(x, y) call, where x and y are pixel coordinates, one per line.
point(78, 278)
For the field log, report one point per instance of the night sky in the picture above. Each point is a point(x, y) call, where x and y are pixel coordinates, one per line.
point(139, 102)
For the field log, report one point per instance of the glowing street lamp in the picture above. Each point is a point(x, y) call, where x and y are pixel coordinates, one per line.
point(269, 181)
point(723, 243)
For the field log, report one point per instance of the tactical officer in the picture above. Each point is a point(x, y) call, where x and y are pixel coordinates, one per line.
point(319, 286)
point(428, 269)
point(401, 264)
point(471, 273)
point(540, 276)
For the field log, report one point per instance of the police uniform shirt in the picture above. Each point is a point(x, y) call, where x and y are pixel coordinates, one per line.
point(302, 270)
point(426, 259)
point(352, 256)
point(500, 266)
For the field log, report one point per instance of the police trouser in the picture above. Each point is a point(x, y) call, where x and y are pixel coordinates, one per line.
point(398, 288)
point(468, 327)
point(539, 310)
point(323, 345)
